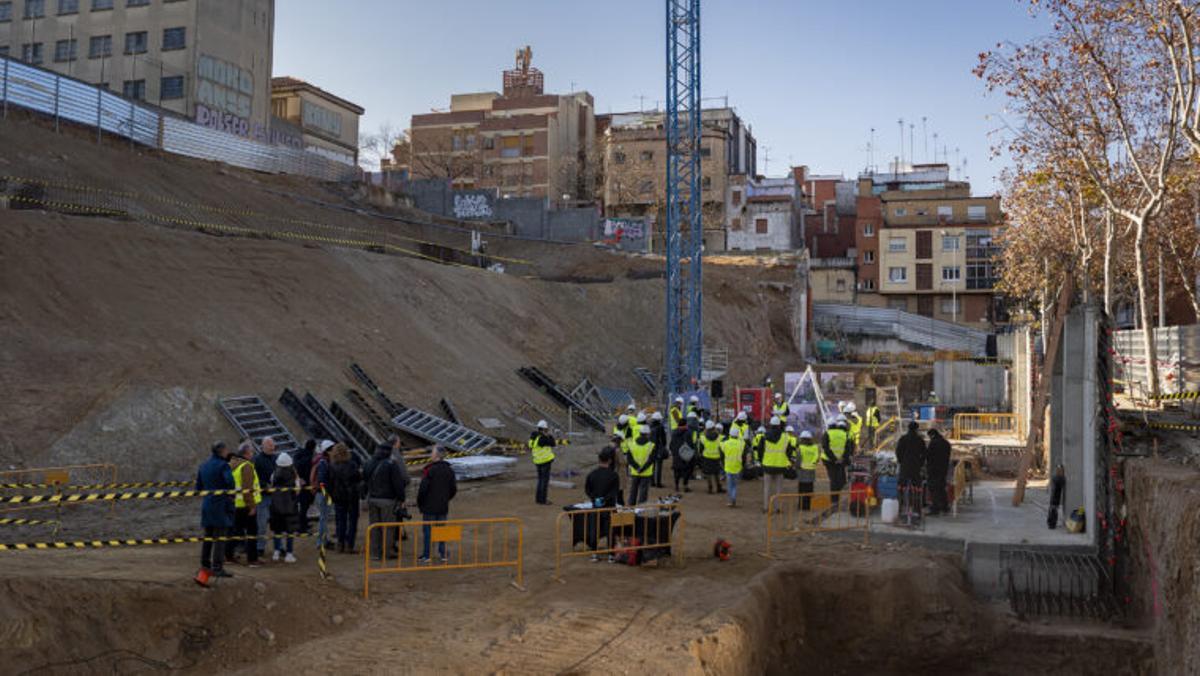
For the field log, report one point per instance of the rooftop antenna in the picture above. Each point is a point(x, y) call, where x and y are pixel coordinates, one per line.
point(935, 137)
point(901, 158)
point(956, 164)
point(641, 103)
point(766, 160)
point(925, 136)
point(912, 154)
point(871, 153)
point(965, 177)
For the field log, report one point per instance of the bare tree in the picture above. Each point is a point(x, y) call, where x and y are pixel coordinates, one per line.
point(434, 155)
point(374, 147)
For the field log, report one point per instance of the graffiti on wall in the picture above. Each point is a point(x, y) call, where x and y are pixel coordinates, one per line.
point(624, 228)
point(472, 206)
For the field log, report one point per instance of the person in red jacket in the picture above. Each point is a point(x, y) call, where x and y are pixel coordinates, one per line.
point(438, 488)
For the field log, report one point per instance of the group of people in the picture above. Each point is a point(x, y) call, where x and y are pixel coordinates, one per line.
point(915, 458)
point(256, 492)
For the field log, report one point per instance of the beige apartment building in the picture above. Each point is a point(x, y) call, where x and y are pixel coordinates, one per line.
point(521, 142)
point(209, 60)
point(328, 124)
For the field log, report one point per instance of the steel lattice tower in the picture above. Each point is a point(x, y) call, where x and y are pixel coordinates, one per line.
point(684, 231)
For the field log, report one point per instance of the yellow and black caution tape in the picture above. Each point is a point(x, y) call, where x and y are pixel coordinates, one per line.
point(29, 522)
point(322, 565)
point(101, 544)
point(143, 495)
point(1174, 426)
point(98, 487)
point(1178, 396)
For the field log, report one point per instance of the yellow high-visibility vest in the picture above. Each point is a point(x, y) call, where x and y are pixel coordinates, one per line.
point(780, 411)
point(775, 452)
point(856, 422)
point(239, 499)
point(837, 441)
point(733, 449)
point(809, 455)
point(542, 453)
point(743, 429)
point(710, 448)
point(675, 418)
point(641, 454)
point(872, 420)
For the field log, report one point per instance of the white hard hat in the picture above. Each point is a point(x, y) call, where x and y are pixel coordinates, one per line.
point(761, 429)
point(841, 407)
point(742, 415)
point(542, 425)
point(733, 433)
point(720, 427)
point(708, 424)
point(841, 420)
point(631, 407)
point(325, 445)
point(622, 419)
point(694, 399)
point(692, 414)
point(778, 395)
point(284, 460)
point(656, 416)
point(850, 407)
point(806, 435)
point(789, 428)
point(641, 417)
point(678, 400)
point(774, 420)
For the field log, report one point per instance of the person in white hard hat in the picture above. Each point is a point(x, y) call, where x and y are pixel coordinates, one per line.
point(780, 408)
point(807, 456)
point(742, 425)
point(710, 457)
point(733, 456)
point(775, 458)
point(694, 405)
point(854, 423)
point(675, 416)
point(837, 447)
point(541, 449)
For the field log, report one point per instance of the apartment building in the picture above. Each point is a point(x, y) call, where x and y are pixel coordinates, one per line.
point(207, 60)
point(763, 214)
point(326, 123)
point(634, 150)
point(520, 142)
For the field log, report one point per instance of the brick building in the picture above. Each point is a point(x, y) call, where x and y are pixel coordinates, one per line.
point(521, 142)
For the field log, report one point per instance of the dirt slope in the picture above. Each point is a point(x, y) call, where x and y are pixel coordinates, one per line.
point(117, 336)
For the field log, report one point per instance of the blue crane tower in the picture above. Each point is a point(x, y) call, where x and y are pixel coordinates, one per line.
point(684, 231)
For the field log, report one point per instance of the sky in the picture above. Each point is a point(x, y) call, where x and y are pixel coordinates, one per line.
point(811, 78)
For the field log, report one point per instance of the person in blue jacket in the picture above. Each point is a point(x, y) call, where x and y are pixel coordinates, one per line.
point(216, 511)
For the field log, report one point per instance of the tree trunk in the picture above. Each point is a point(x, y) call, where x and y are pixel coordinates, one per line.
point(1109, 235)
point(1139, 251)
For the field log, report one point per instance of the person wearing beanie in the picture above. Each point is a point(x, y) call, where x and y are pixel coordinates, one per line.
point(216, 511)
point(284, 507)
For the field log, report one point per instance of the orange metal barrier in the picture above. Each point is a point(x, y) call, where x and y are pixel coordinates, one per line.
point(663, 523)
point(978, 424)
point(470, 544)
point(826, 511)
point(63, 476)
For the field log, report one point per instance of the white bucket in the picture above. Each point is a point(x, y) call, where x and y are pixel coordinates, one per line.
point(890, 510)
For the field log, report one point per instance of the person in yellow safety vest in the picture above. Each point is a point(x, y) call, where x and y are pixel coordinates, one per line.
point(694, 405)
point(733, 454)
point(756, 441)
point(641, 467)
point(541, 449)
point(808, 453)
point(710, 457)
point(742, 425)
point(837, 447)
point(636, 423)
point(776, 459)
point(871, 424)
point(780, 409)
point(245, 502)
point(856, 423)
point(675, 416)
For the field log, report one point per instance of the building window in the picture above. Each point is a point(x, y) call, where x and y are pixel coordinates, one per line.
point(68, 6)
point(64, 50)
point(976, 213)
point(98, 5)
point(760, 226)
point(510, 146)
point(456, 142)
point(35, 9)
point(489, 142)
point(869, 230)
point(981, 276)
point(135, 43)
point(471, 142)
point(134, 89)
point(527, 141)
point(5, 11)
point(841, 284)
point(99, 46)
point(737, 198)
point(136, 3)
point(898, 275)
point(736, 224)
point(951, 273)
point(868, 256)
point(900, 211)
point(646, 156)
point(31, 52)
point(945, 213)
point(705, 151)
point(952, 306)
point(171, 88)
point(949, 242)
point(868, 284)
point(174, 38)
point(706, 183)
point(922, 212)
point(897, 244)
point(898, 304)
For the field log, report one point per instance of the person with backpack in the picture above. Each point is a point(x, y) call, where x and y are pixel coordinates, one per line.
point(387, 481)
point(347, 490)
point(438, 488)
point(683, 452)
point(285, 507)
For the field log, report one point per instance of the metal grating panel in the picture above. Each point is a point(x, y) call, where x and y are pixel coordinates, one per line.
point(440, 431)
point(254, 420)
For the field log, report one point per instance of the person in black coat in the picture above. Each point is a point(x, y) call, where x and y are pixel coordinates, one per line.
point(937, 465)
point(658, 434)
point(387, 481)
point(683, 451)
point(910, 454)
point(346, 494)
point(303, 460)
point(438, 487)
point(603, 485)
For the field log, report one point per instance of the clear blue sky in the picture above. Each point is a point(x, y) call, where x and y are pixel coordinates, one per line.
point(810, 77)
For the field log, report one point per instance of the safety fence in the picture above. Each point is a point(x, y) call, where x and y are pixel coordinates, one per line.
point(885, 435)
point(459, 544)
point(791, 515)
point(67, 99)
point(632, 536)
point(61, 478)
point(985, 424)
